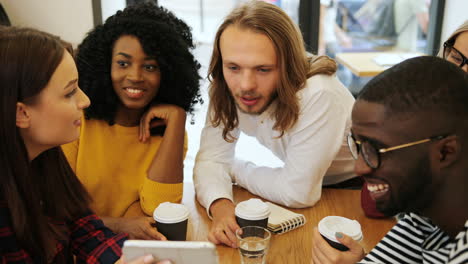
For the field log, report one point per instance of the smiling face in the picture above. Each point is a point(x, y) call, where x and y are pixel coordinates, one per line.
point(135, 75)
point(54, 117)
point(250, 68)
point(404, 180)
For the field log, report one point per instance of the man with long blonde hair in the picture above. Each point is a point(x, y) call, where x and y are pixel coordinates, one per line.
point(263, 84)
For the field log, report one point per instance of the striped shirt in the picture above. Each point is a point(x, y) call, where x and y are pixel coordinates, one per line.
point(414, 239)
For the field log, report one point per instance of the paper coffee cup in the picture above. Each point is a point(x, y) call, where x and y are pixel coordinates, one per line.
point(252, 212)
point(329, 225)
point(171, 220)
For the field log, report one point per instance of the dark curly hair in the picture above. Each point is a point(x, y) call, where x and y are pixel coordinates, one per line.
point(162, 35)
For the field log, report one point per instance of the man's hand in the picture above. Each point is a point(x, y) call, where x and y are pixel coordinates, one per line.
point(224, 225)
point(323, 253)
point(135, 227)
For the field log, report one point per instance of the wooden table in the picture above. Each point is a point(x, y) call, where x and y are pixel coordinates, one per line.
point(294, 246)
point(362, 64)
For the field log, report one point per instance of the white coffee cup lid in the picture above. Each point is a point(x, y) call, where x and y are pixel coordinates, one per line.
point(329, 225)
point(252, 209)
point(169, 213)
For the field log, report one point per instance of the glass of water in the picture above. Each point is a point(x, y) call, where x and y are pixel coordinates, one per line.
point(253, 243)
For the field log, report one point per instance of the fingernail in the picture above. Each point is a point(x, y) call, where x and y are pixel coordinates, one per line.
point(339, 235)
point(148, 259)
point(164, 262)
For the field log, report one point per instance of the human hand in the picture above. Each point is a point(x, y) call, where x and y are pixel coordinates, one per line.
point(148, 259)
point(323, 253)
point(224, 225)
point(140, 228)
point(321, 51)
point(346, 41)
point(160, 115)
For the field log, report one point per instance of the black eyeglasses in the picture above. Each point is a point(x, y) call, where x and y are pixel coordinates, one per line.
point(453, 55)
point(371, 154)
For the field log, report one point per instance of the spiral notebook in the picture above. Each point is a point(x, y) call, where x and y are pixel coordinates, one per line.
point(282, 220)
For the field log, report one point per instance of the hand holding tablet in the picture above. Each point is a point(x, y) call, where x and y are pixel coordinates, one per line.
point(178, 252)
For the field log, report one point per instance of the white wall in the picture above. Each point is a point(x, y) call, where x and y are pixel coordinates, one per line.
point(213, 11)
point(110, 7)
point(454, 15)
point(69, 19)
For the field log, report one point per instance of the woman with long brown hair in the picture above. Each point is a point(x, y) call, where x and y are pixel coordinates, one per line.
point(44, 209)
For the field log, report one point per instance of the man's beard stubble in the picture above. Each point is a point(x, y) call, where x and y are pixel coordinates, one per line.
point(270, 100)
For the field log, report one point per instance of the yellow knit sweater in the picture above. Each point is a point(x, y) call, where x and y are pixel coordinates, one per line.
point(112, 163)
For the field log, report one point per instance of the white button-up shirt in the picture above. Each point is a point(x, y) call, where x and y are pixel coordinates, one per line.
point(314, 150)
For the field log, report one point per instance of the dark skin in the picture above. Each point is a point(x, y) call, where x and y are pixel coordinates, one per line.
point(443, 201)
point(447, 160)
point(133, 69)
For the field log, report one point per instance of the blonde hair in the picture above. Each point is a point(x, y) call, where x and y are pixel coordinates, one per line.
point(462, 28)
point(294, 64)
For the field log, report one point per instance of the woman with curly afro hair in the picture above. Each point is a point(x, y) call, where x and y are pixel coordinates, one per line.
point(138, 71)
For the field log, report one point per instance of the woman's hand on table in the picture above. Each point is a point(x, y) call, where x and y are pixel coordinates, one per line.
point(224, 224)
point(141, 227)
point(148, 259)
point(322, 252)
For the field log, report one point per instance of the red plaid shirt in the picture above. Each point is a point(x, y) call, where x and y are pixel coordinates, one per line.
point(89, 240)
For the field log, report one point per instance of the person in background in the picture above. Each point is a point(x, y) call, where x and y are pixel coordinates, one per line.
point(332, 38)
point(409, 135)
point(331, 35)
point(409, 17)
point(44, 209)
point(139, 73)
point(455, 49)
point(264, 84)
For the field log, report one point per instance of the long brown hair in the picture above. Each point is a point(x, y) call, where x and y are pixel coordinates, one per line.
point(46, 188)
point(295, 66)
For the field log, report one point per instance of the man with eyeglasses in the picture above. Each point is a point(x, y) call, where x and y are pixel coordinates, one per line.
point(409, 137)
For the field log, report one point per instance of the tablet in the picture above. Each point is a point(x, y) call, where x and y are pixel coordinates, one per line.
point(179, 252)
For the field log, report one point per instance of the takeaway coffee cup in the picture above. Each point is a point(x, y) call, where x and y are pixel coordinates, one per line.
point(252, 212)
point(171, 220)
point(329, 225)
